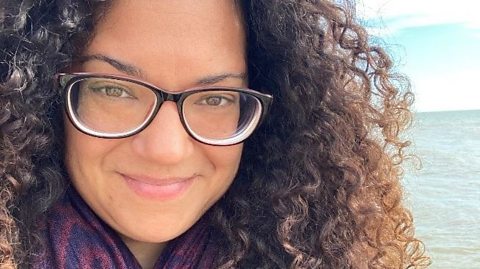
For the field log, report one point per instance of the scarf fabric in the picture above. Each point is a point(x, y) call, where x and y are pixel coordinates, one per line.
point(77, 238)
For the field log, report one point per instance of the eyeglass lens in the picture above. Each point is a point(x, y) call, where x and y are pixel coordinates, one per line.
point(107, 105)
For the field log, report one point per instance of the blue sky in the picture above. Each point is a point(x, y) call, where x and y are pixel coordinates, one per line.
point(436, 43)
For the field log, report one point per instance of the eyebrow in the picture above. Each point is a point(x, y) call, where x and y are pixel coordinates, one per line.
point(137, 72)
point(120, 66)
point(208, 80)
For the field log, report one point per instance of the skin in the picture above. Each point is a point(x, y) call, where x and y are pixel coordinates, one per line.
point(175, 45)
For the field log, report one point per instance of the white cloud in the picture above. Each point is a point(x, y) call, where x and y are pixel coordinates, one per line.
point(402, 14)
point(452, 90)
point(437, 85)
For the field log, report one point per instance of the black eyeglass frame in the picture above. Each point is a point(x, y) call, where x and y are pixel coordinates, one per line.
point(65, 81)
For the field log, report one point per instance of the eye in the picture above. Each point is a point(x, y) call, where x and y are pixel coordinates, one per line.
point(216, 100)
point(111, 91)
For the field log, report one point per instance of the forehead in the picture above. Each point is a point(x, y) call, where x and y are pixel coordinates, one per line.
point(173, 37)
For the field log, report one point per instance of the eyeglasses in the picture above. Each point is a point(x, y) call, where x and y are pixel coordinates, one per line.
point(110, 106)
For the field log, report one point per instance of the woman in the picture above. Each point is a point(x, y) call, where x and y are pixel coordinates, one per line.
point(124, 137)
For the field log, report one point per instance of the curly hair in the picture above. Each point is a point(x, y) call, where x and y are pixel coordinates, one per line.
point(319, 181)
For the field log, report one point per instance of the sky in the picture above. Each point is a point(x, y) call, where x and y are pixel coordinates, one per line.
point(436, 43)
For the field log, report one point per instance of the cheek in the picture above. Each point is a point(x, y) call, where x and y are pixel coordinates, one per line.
point(80, 149)
point(223, 162)
point(225, 159)
point(84, 156)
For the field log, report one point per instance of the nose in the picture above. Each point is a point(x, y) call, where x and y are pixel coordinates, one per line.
point(164, 140)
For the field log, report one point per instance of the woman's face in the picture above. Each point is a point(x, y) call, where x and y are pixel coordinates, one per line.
point(153, 186)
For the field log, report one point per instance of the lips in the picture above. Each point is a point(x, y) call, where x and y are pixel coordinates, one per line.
point(158, 188)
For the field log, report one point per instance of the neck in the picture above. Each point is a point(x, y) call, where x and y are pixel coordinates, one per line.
point(145, 253)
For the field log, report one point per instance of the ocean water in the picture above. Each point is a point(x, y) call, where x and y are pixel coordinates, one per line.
point(444, 194)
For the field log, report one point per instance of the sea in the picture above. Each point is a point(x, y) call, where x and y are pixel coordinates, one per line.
point(443, 188)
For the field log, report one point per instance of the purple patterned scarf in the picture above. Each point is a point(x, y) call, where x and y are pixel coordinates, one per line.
point(77, 238)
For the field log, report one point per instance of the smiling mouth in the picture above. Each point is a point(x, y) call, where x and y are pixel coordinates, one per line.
point(158, 189)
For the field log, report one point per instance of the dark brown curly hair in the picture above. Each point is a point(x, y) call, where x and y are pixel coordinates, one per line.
point(319, 181)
